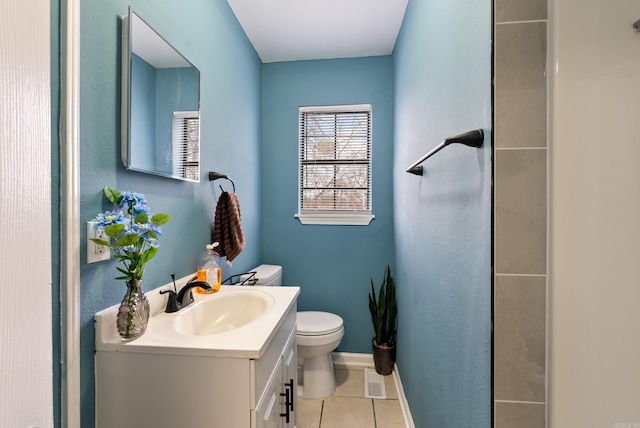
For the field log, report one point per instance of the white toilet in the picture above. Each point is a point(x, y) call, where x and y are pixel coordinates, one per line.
point(318, 334)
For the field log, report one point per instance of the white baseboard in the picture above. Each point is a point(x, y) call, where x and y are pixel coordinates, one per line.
point(404, 405)
point(352, 360)
point(347, 359)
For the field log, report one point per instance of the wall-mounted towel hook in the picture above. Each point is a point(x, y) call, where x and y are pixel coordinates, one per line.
point(216, 175)
point(472, 139)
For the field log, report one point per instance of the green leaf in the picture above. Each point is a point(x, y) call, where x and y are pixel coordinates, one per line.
point(372, 309)
point(151, 252)
point(376, 314)
point(142, 218)
point(128, 240)
point(114, 230)
point(100, 242)
point(160, 219)
point(113, 195)
point(384, 310)
point(393, 307)
point(382, 307)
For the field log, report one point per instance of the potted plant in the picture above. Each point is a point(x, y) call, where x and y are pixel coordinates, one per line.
point(132, 233)
point(384, 314)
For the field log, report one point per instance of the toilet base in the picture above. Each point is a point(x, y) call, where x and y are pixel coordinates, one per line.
point(318, 377)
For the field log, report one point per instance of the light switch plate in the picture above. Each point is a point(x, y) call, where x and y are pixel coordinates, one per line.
point(96, 253)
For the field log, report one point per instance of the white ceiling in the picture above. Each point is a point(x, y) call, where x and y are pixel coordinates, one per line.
point(291, 30)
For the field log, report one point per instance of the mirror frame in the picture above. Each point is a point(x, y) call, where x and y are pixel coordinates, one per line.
point(126, 91)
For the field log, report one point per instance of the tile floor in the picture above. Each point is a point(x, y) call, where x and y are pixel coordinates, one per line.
point(348, 407)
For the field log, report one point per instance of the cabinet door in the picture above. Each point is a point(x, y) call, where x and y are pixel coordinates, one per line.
point(270, 407)
point(290, 377)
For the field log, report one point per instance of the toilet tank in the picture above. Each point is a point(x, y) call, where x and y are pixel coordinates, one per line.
point(268, 275)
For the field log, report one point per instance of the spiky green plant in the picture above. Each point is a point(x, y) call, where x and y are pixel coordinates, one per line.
point(384, 310)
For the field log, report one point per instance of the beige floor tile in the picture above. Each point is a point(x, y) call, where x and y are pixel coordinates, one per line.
point(390, 386)
point(308, 413)
point(352, 412)
point(349, 383)
point(388, 413)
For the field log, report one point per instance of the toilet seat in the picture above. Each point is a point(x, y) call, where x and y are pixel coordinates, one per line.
point(313, 323)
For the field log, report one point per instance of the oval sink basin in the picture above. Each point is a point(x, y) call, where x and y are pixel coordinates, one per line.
point(218, 314)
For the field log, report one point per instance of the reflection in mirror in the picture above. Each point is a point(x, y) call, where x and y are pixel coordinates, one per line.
point(160, 105)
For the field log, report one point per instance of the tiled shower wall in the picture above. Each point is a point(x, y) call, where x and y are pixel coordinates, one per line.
point(520, 157)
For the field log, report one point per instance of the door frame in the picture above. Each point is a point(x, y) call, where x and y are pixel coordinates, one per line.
point(70, 212)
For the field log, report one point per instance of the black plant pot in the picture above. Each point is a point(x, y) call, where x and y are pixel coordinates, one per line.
point(384, 357)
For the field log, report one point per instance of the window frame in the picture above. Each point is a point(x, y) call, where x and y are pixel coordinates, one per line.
point(337, 216)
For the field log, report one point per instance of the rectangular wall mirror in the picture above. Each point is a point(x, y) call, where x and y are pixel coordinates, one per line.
point(160, 104)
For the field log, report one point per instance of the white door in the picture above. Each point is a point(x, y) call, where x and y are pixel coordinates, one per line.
point(26, 363)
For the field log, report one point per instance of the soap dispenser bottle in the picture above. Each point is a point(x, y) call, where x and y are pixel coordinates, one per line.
point(209, 269)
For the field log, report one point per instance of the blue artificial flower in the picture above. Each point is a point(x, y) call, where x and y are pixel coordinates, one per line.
point(155, 228)
point(132, 200)
point(136, 229)
point(137, 242)
point(139, 208)
point(110, 217)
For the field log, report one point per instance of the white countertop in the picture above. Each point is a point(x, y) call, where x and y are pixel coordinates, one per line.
point(248, 341)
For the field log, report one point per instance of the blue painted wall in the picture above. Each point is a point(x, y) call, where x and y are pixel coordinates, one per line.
point(332, 264)
point(442, 64)
point(207, 33)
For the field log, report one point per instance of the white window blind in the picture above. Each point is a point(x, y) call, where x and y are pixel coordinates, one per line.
point(335, 165)
point(186, 145)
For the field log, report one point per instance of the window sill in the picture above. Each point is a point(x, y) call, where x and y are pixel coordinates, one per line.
point(336, 219)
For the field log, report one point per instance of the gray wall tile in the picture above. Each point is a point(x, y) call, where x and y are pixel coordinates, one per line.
point(520, 415)
point(520, 109)
point(521, 211)
point(520, 85)
point(520, 311)
point(520, 10)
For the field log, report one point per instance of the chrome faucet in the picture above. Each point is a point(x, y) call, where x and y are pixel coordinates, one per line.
point(184, 297)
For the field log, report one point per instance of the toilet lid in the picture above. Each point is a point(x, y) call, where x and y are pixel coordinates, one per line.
point(311, 323)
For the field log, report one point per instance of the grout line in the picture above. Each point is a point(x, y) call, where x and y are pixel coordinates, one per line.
point(520, 402)
point(535, 275)
point(532, 21)
point(506, 149)
point(373, 409)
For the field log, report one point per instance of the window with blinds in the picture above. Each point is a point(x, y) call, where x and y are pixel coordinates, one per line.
point(335, 165)
point(185, 145)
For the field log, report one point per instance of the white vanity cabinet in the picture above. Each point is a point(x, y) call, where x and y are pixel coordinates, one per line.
point(277, 406)
point(146, 386)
